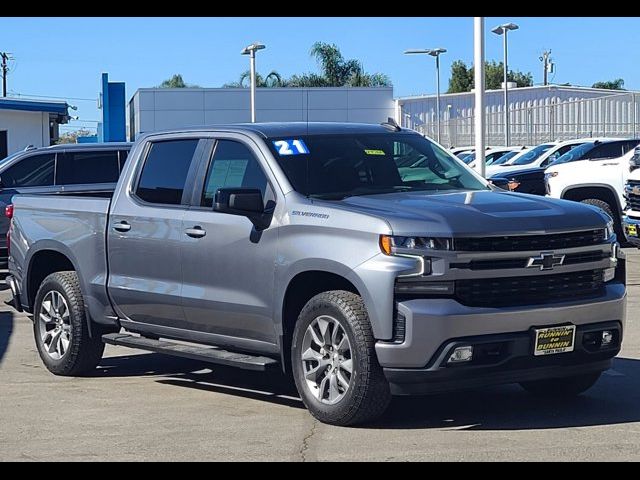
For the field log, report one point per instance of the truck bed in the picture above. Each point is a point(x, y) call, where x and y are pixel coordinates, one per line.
point(74, 225)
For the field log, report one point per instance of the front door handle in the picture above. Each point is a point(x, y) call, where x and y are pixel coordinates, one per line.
point(122, 226)
point(195, 232)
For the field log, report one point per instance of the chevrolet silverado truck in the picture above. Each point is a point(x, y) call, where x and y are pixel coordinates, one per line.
point(631, 218)
point(595, 173)
point(299, 246)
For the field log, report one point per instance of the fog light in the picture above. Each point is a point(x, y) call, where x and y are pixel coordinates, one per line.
point(607, 338)
point(461, 354)
point(609, 274)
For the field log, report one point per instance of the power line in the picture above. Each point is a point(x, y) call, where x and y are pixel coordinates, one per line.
point(54, 98)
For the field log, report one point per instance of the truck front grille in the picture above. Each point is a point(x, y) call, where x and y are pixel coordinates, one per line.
point(530, 290)
point(556, 241)
point(633, 199)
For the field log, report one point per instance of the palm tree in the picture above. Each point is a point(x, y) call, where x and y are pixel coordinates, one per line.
point(338, 72)
point(272, 80)
point(335, 71)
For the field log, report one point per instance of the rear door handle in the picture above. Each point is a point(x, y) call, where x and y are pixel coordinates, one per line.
point(195, 232)
point(122, 226)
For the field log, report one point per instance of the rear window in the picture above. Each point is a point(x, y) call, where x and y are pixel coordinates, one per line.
point(75, 168)
point(32, 171)
point(164, 174)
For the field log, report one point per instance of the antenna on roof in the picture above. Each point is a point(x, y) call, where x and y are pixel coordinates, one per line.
point(392, 124)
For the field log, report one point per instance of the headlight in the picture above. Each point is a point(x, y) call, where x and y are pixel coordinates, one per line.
point(610, 230)
point(391, 244)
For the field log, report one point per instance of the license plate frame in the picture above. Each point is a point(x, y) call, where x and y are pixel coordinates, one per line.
point(554, 340)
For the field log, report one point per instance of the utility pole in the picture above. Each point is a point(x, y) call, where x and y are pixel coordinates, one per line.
point(547, 66)
point(5, 69)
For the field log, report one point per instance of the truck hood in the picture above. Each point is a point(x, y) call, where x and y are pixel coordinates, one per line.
point(460, 214)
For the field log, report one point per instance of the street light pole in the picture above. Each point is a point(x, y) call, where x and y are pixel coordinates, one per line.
point(251, 51)
point(438, 93)
point(479, 120)
point(434, 52)
point(503, 30)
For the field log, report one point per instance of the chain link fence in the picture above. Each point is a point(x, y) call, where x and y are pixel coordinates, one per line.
point(532, 124)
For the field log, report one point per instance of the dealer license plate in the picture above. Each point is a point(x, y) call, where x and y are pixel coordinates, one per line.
point(632, 230)
point(550, 341)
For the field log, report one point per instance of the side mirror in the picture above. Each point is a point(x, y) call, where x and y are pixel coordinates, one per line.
point(501, 183)
point(244, 202)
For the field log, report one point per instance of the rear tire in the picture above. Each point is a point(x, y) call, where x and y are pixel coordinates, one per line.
point(562, 387)
point(61, 329)
point(334, 395)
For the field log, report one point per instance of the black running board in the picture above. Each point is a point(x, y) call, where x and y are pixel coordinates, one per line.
point(194, 352)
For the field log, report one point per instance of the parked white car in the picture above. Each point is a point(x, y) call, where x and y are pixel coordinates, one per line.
point(631, 219)
point(597, 179)
point(491, 155)
point(539, 157)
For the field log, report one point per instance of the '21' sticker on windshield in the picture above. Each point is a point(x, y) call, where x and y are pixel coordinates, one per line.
point(290, 147)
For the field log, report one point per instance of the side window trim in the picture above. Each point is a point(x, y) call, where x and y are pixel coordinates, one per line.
point(184, 203)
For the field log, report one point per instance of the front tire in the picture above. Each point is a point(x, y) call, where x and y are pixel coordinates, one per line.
point(562, 387)
point(609, 210)
point(61, 329)
point(335, 367)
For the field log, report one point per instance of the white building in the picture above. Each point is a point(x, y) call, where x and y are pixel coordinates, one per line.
point(153, 109)
point(537, 114)
point(29, 122)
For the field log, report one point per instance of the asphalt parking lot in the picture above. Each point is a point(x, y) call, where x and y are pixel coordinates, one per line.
point(143, 406)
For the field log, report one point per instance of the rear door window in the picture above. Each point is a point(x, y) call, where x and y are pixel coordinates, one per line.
point(164, 174)
point(604, 151)
point(75, 168)
point(33, 171)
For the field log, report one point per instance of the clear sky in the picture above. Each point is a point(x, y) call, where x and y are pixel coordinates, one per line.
point(60, 57)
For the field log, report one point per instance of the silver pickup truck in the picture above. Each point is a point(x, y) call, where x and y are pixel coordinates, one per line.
point(364, 260)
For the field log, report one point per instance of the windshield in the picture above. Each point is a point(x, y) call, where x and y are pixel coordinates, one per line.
point(574, 154)
point(334, 167)
point(532, 155)
point(505, 158)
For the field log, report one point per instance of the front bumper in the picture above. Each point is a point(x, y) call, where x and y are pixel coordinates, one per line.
point(628, 222)
point(512, 362)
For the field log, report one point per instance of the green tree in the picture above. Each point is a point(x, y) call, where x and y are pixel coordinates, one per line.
point(617, 84)
point(462, 77)
point(460, 80)
point(272, 80)
point(335, 71)
point(176, 81)
point(72, 136)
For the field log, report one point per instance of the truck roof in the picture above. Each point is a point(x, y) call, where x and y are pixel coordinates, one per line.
point(283, 129)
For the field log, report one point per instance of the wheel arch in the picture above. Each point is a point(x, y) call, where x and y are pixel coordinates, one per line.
point(598, 191)
point(301, 287)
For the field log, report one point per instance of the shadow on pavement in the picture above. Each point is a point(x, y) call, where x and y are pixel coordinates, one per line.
point(273, 387)
point(6, 329)
point(613, 400)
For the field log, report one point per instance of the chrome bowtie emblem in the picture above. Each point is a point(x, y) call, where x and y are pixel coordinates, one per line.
point(546, 261)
